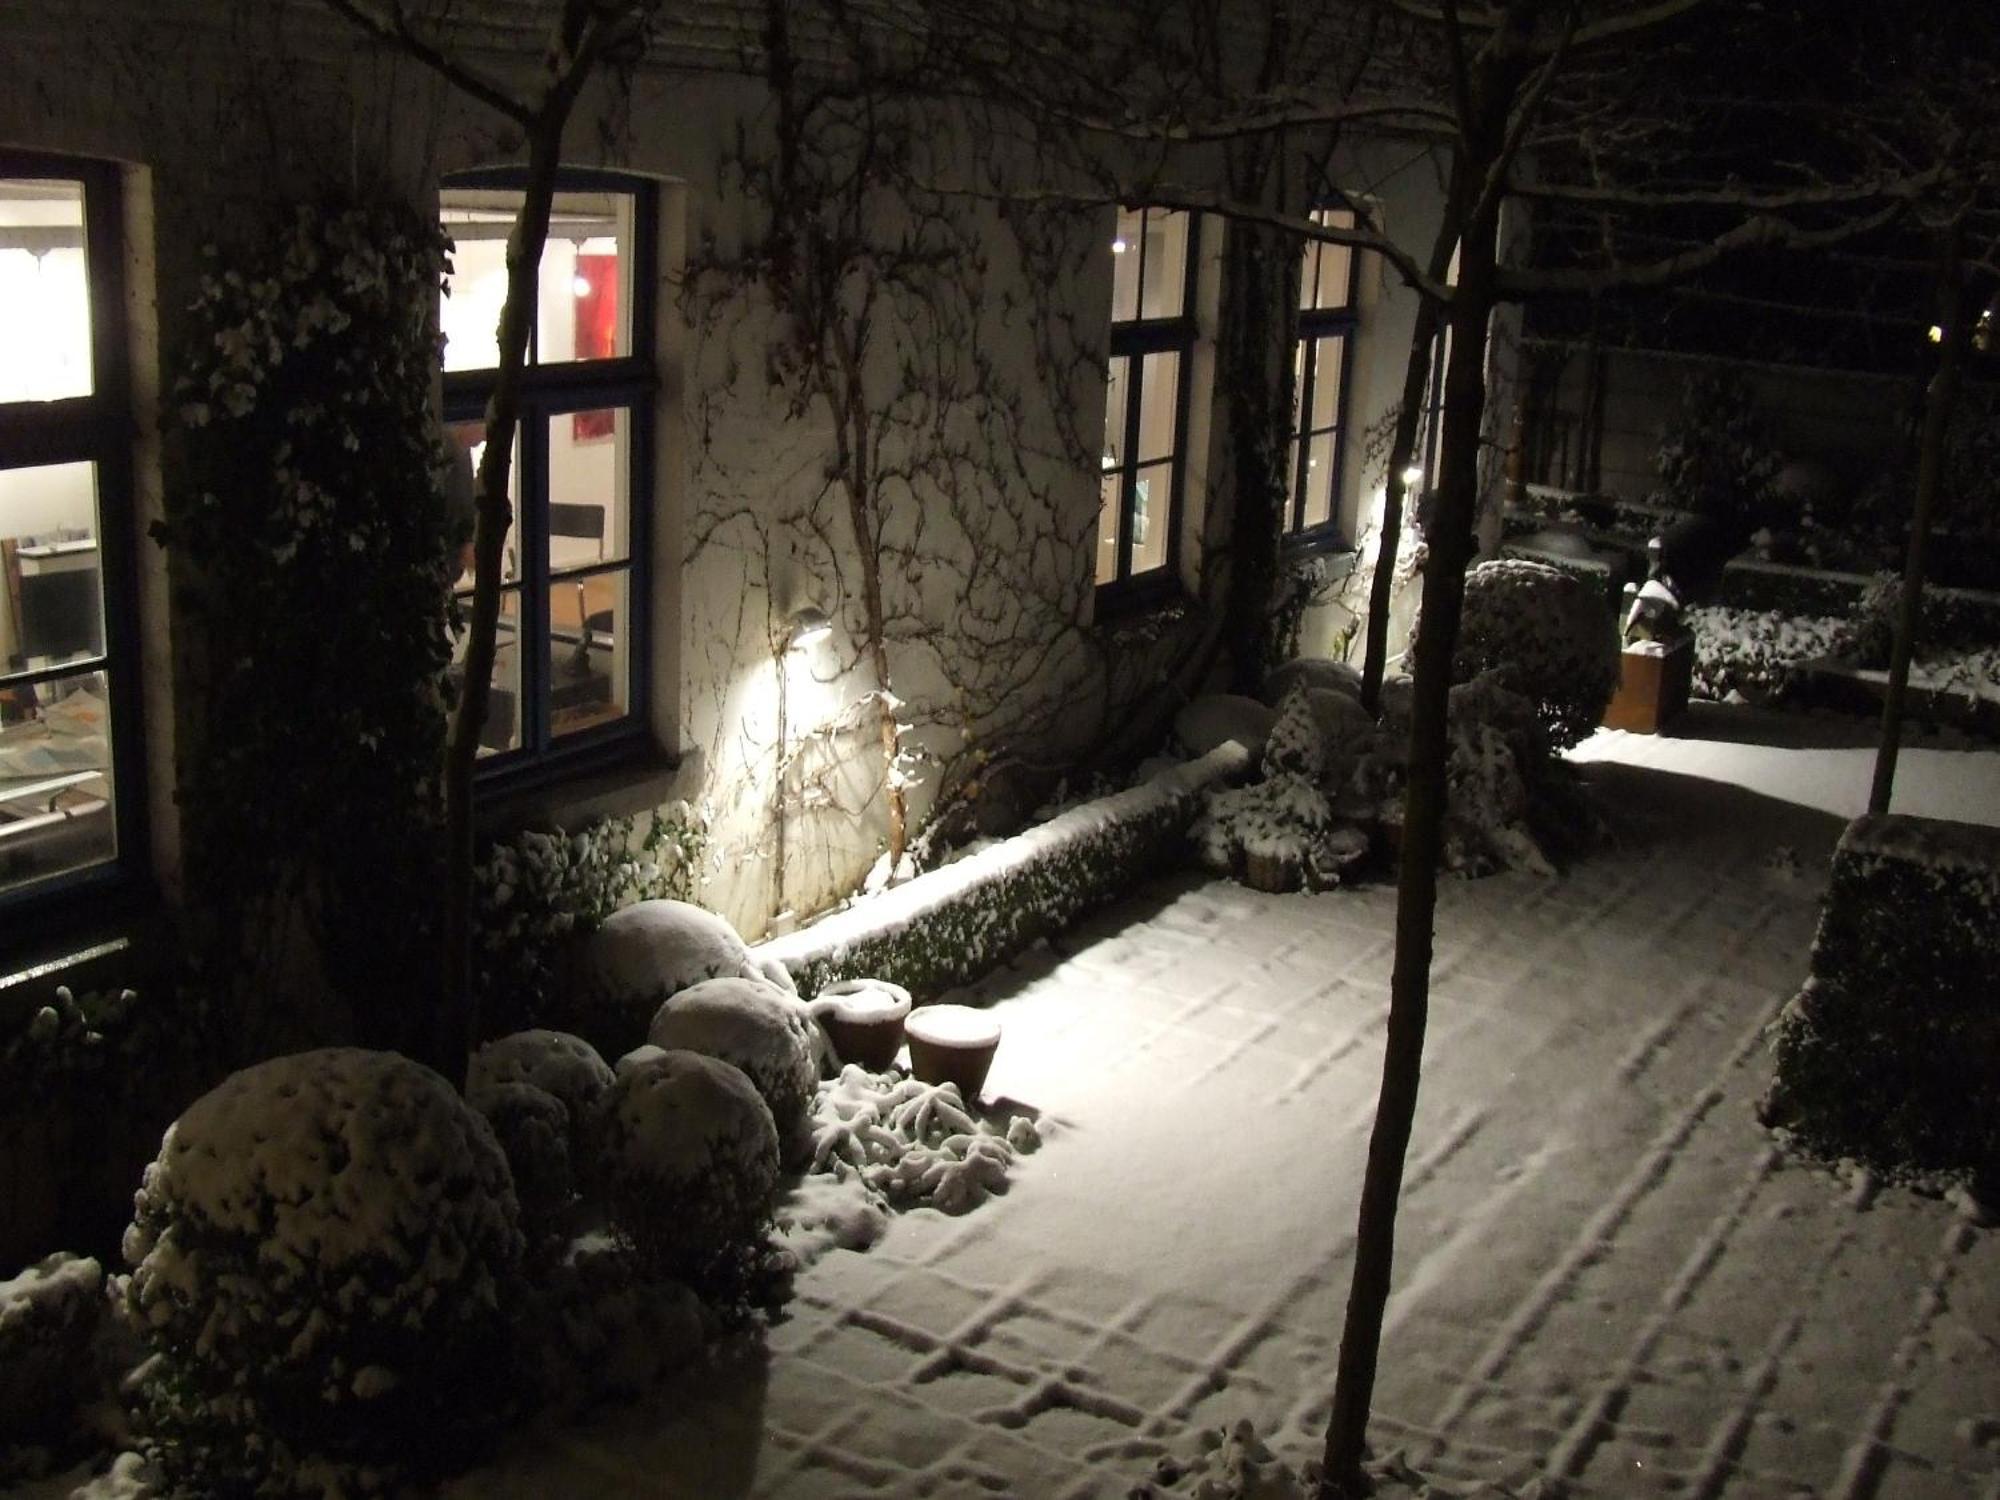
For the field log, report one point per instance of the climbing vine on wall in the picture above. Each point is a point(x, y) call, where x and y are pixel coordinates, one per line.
point(312, 556)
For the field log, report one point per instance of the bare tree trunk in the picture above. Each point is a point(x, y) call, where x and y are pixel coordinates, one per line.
point(1450, 551)
point(1402, 449)
point(458, 1019)
point(1939, 398)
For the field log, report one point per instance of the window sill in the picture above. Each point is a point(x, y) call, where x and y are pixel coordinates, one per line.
point(565, 796)
point(1336, 556)
point(108, 932)
point(1143, 612)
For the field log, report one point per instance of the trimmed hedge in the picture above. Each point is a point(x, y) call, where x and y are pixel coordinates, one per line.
point(1751, 583)
point(951, 926)
point(1891, 1051)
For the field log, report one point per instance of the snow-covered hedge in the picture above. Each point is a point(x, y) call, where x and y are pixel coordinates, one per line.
point(1891, 1051)
point(540, 1090)
point(320, 1257)
point(1552, 636)
point(954, 924)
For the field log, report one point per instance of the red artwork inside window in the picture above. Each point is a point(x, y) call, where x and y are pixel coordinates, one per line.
point(596, 332)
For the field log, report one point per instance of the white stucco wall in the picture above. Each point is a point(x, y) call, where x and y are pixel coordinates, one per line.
point(222, 108)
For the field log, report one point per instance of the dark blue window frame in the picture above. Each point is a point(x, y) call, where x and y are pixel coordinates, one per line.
point(632, 382)
point(1316, 323)
point(96, 429)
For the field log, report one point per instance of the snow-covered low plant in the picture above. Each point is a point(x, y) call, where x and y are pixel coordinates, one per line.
point(1552, 635)
point(539, 1090)
point(689, 1166)
point(320, 1257)
point(914, 1144)
point(1757, 654)
point(1280, 832)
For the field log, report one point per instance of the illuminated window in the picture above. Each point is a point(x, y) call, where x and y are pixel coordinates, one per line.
point(1145, 409)
point(569, 674)
point(69, 728)
point(1319, 387)
point(1429, 452)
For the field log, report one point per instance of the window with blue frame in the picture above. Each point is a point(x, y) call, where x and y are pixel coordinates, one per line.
point(1145, 409)
point(71, 810)
point(570, 670)
point(1327, 323)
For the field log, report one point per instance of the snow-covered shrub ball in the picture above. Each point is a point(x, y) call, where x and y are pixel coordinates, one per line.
point(1551, 634)
point(646, 953)
point(1320, 673)
point(320, 1254)
point(761, 1030)
point(689, 1162)
point(1206, 722)
point(555, 1062)
point(533, 1129)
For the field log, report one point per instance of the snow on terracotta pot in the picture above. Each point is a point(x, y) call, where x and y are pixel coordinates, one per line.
point(864, 1020)
point(953, 1044)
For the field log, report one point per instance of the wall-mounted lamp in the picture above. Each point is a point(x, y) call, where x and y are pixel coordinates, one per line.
point(1413, 476)
point(807, 625)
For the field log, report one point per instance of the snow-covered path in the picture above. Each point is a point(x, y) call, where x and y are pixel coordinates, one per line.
point(1605, 1271)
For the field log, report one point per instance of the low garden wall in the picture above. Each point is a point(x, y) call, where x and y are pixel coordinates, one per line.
point(1891, 1051)
point(952, 925)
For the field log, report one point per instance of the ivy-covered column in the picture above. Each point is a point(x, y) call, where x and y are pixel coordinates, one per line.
point(313, 563)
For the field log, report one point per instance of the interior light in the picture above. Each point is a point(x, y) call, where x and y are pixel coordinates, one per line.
point(1118, 246)
point(1936, 335)
point(580, 286)
point(1413, 476)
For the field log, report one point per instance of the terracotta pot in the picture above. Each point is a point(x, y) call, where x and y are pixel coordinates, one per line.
point(953, 1044)
point(864, 1020)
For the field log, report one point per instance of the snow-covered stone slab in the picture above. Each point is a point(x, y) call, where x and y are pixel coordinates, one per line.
point(952, 925)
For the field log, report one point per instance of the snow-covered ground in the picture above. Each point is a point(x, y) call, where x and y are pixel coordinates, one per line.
point(1606, 1272)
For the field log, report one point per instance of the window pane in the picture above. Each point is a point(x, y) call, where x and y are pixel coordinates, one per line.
point(502, 730)
point(1326, 381)
point(1159, 405)
point(471, 436)
point(1117, 394)
point(1320, 479)
point(1126, 243)
point(51, 594)
point(1107, 524)
point(584, 295)
point(1164, 292)
point(590, 468)
point(44, 291)
point(1328, 273)
point(1296, 482)
point(55, 778)
point(1152, 511)
point(589, 636)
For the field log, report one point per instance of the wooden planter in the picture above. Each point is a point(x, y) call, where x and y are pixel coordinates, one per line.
point(1652, 686)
